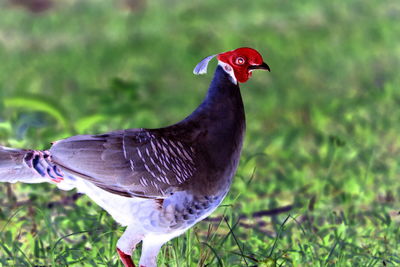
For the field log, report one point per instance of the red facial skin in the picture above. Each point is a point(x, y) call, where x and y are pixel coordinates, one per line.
point(241, 67)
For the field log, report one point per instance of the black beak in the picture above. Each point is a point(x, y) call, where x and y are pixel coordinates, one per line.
point(263, 66)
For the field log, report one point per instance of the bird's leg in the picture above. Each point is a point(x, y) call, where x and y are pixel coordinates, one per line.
point(127, 243)
point(125, 258)
point(40, 161)
point(150, 249)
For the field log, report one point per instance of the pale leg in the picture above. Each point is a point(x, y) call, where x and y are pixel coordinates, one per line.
point(127, 243)
point(150, 249)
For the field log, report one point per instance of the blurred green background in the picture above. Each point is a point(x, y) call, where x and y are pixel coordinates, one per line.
point(322, 136)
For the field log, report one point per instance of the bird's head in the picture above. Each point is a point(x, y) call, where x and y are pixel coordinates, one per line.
point(238, 63)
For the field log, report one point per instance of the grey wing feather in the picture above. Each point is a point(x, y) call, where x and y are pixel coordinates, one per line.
point(131, 162)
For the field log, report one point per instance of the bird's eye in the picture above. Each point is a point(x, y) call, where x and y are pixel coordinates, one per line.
point(240, 61)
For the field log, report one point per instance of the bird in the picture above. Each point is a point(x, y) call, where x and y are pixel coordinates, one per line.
point(156, 182)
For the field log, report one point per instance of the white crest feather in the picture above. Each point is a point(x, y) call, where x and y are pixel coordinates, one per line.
point(201, 68)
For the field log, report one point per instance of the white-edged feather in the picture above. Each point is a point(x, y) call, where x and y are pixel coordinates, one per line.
point(228, 69)
point(201, 68)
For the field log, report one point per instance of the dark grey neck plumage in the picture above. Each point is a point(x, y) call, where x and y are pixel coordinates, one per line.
point(219, 121)
point(223, 101)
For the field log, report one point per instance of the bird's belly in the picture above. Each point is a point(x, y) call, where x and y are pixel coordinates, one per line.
point(175, 214)
point(183, 210)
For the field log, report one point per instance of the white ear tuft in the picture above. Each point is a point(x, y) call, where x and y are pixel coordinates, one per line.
point(201, 68)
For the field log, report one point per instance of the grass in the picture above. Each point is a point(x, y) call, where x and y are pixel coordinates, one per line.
point(322, 133)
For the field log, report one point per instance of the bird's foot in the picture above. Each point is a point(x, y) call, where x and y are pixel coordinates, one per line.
point(125, 258)
point(40, 161)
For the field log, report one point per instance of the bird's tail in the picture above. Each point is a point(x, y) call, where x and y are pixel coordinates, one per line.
point(21, 165)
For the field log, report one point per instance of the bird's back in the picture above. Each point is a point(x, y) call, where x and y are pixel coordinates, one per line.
point(199, 154)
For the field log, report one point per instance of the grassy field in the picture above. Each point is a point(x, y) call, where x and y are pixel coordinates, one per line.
point(319, 178)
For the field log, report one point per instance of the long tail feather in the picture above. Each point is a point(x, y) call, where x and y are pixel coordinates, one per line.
point(14, 168)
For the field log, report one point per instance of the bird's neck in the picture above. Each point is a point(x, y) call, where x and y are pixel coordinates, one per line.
point(223, 103)
point(218, 126)
point(220, 118)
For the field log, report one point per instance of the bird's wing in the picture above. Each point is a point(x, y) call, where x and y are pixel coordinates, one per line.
point(134, 162)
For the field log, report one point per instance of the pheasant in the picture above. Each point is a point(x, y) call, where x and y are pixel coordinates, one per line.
point(156, 182)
